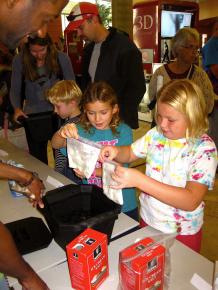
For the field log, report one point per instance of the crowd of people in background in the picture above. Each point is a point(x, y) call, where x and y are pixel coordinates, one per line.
point(180, 154)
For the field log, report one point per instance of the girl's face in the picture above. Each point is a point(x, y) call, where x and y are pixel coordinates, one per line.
point(100, 114)
point(172, 123)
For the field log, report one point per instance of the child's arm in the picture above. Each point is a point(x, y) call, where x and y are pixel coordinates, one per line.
point(122, 154)
point(59, 138)
point(187, 198)
point(97, 172)
point(58, 141)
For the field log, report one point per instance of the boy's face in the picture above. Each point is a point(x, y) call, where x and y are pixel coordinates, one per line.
point(64, 110)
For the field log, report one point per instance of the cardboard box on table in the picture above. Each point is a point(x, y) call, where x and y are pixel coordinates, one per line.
point(88, 260)
point(142, 266)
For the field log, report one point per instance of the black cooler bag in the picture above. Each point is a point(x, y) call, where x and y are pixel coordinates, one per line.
point(30, 234)
point(40, 126)
point(70, 209)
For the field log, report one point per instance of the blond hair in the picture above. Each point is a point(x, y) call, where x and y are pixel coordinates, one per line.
point(64, 91)
point(187, 98)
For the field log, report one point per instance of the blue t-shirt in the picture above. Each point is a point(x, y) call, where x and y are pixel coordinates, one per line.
point(210, 53)
point(106, 137)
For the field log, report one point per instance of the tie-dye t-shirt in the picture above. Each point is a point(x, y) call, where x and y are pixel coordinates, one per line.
point(175, 162)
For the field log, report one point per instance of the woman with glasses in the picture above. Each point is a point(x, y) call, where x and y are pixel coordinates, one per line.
point(185, 49)
point(36, 69)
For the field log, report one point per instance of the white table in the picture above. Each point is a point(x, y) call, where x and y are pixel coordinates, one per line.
point(12, 209)
point(184, 263)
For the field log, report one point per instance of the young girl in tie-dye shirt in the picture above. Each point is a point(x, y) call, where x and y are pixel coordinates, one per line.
point(181, 162)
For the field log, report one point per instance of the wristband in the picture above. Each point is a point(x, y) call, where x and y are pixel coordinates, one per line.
point(27, 183)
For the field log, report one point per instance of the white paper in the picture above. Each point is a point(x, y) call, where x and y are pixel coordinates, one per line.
point(200, 283)
point(114, 194)
point(54, 182)
point(83, 155)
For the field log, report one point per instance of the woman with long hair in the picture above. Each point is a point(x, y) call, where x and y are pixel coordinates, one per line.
point(36, 69)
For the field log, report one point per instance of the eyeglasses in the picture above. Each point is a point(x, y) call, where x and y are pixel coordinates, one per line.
point(192, 47)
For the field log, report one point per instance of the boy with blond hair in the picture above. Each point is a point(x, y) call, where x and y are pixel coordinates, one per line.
point(66, 96)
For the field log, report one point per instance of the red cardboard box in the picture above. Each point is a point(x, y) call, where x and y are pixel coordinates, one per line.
point(88, 260)
point(142, 266)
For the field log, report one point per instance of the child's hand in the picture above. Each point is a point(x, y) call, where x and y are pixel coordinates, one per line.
point(125, 177)
point(108, 152)
point(79, 173)
point(69, 131)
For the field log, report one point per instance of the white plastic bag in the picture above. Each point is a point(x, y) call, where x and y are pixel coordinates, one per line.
point(113, 194)
point(83, 155)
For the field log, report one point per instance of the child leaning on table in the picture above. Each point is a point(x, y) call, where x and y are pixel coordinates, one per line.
point(100, 123)
point(181, 162)
point(66, 96)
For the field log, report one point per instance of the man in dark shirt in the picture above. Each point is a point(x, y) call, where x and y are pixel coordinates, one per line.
point(18, 19)
point(112, 57)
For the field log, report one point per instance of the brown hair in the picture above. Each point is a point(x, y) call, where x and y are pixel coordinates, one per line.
point(29, 62)
point(103, 92)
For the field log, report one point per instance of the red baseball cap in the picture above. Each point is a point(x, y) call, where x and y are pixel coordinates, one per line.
point(80, 13)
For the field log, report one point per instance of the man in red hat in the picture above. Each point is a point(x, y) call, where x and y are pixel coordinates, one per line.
point(110, 56)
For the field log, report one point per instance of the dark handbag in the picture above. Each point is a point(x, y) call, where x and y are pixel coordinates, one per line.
point(40, 126)
point(30, 234)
